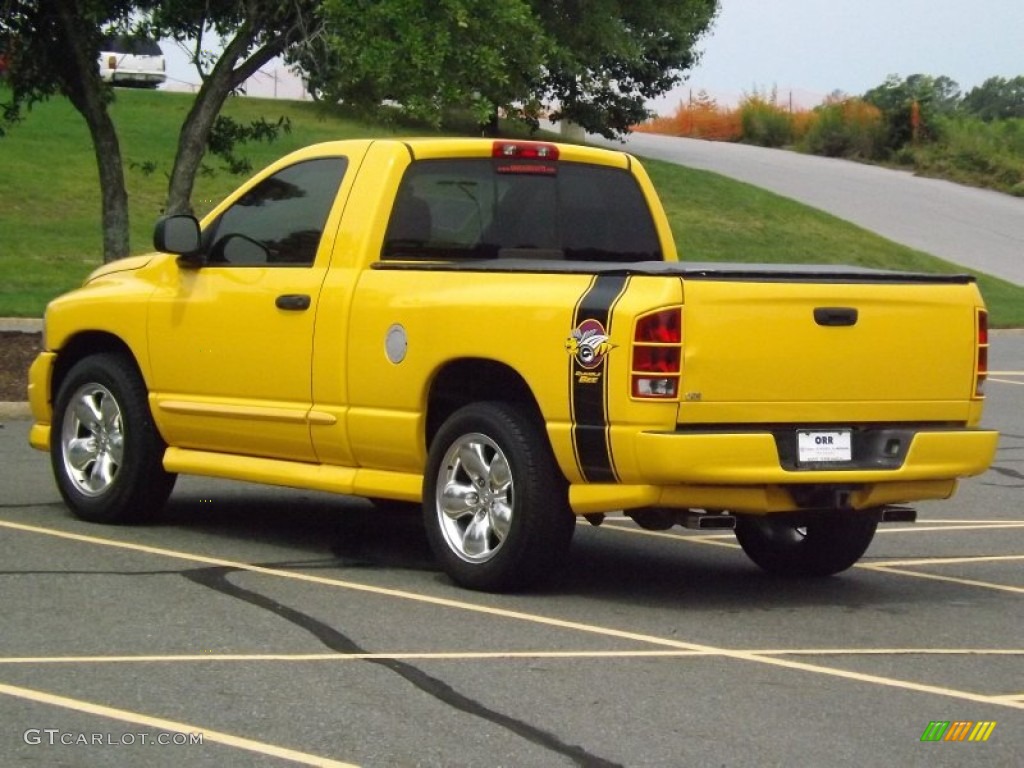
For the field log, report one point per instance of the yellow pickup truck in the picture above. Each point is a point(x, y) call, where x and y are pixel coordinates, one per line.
point(502, 331)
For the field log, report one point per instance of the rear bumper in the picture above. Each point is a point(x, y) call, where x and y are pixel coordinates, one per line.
point(750, 458)
point(743, 472)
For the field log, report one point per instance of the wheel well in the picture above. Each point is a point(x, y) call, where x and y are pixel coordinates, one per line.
point(83, 345)
point(462, 382)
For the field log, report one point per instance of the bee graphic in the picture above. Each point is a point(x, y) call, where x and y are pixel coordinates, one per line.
point(589, 344)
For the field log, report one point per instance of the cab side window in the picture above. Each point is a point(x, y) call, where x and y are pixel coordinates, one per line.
point(278, 222)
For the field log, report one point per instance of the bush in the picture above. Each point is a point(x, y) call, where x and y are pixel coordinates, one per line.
point(847, 128)
point(764, 122)
point(701, 118)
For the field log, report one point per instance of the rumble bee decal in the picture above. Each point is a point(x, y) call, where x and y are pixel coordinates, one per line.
point(589, 344)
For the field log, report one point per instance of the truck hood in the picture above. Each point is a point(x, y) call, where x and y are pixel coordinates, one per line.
point(128, 264)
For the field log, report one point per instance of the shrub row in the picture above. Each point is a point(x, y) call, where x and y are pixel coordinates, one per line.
point(956, 146)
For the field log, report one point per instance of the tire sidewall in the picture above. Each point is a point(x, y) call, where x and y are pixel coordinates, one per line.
point(827, 548)
point(541, 524)
point(138, 483)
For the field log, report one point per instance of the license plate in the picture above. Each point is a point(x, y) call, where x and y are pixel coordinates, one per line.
point(815, 447)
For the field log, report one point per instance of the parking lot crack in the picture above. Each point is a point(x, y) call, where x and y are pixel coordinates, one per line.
point(216, 578)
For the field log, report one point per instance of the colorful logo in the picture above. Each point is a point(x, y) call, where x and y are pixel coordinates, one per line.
point(589, 344)
point(958, 730)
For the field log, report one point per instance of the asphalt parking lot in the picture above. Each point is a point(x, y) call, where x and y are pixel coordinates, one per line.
point(252, 626)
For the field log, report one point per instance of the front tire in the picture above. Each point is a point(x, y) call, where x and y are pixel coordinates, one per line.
point(106, 453)
point(822, 546)
point(495, 504)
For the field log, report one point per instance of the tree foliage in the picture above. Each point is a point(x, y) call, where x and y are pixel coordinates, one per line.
point(998, 98)
point(594, 62)
point(912, 106)
point(424, 58)
point(610, 57)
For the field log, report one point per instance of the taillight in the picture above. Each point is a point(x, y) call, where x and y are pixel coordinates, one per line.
point(112, 62)
point(658, 354)
point(981, 364)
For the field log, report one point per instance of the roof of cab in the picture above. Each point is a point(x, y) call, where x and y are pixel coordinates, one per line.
point(435, 148)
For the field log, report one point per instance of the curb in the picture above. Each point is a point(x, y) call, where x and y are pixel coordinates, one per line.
point(22, 324)
point(15, 411)
point(18, 411)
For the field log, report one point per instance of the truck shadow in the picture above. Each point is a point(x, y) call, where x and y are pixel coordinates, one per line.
point(330, 532)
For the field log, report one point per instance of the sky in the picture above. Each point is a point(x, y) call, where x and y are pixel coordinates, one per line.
point(806, 49)
point(814, 47)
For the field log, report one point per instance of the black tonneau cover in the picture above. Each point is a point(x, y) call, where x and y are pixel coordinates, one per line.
point(828, 273)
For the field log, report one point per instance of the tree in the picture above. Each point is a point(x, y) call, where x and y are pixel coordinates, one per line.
point(52, 47)
point(910, 107)
point(998, 98)
point(610, 57)
point(595, 63)
point(252, 33)
point(423, 58)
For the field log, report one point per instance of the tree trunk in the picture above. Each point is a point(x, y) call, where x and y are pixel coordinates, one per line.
point(86, 92)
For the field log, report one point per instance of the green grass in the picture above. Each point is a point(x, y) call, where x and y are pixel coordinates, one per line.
point(49, 201)
point(717, 219)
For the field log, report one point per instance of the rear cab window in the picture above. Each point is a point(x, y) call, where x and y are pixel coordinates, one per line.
point(493, 208)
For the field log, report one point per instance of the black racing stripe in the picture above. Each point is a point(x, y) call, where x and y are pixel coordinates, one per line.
point(589, 386)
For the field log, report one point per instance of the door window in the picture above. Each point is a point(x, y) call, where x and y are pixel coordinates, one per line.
point(279, 221)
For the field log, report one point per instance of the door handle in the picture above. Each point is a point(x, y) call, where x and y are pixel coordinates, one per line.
point(835, 316)
point(295, 302)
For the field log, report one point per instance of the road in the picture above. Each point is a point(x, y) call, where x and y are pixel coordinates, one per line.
point(291, 628)
point(978, 229)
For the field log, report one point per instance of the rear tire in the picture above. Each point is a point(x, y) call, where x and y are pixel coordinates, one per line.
point(495, 504)
point(819, 547)
point(106, 453)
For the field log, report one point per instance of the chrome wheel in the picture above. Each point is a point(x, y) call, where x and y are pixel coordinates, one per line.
point(106, 453)
point(92, 439)
point(474, 498)
point(496, 508)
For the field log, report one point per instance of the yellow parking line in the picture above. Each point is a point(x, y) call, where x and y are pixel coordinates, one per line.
point(174, 726)
point(1006, 373)
point(495, 655)
point(336, 657)
point(918, 528)
point(937, 577)
point(958, 521)
point(948, 560)
point(1011, 697)
point(714, 539)
point(536, 619)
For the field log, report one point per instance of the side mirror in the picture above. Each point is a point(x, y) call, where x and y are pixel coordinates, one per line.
point(178, 234)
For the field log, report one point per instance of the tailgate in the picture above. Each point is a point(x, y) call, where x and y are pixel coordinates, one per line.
point(800, 350)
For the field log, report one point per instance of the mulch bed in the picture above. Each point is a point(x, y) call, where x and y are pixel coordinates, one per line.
point(17, 350)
